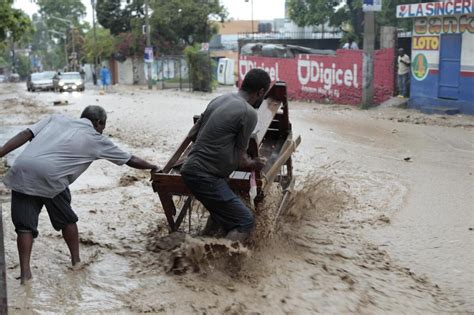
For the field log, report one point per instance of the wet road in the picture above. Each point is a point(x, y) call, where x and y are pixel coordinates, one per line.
point(384, 232)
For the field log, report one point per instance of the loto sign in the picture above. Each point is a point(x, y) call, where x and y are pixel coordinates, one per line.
point(425, 43)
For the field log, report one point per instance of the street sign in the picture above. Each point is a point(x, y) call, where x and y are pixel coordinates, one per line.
point(204, 46)
point(145, 29)
point(372, 5)
point(149, 54)
point(441, 8)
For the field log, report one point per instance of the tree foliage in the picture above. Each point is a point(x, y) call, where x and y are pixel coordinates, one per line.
point(71, 10)
point(178, 23)
point(105, 44)
point(130, 44)
point(14, 21)
point(200, 68)
point(117, 16)
point(64, 17)
point(388, 15)
point(344, 14)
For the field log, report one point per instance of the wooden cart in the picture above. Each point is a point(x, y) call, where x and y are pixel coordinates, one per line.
point(272, 139)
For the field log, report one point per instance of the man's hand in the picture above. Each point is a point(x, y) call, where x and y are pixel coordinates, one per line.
point(154, 170)
point(258, 163)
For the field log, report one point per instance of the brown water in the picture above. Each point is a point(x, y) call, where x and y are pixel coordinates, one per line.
point(359, 236)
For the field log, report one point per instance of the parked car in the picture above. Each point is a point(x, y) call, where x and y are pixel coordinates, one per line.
point(14, 77)
point(69, 81)
point(3, 78)
point(42, 81)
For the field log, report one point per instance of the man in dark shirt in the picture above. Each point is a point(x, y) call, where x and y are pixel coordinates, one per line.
point(221, 138)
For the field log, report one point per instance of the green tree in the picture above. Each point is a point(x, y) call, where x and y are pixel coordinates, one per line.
point(388, 15)
point(71, 10)
point(179, 23)
point(116, 15)
point(65, 17)
point(105, 45)
point(200, 67)
point(344, 14)
point(13, 21)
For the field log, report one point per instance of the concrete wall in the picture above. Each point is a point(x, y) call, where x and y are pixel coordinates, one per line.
point(337, 79)
point(126, 71)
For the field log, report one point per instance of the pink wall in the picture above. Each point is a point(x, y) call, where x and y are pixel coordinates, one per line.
point(337, 79)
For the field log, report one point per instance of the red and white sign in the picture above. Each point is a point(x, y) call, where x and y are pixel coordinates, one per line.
point(318, 77)
point(449, 7)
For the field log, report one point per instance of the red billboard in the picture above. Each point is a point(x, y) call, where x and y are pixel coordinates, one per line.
point(336, 78)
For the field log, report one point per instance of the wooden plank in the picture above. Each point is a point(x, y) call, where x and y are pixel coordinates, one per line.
point(174, 183)
point(183, 211)
point(266, 112)
point(288, 148)
point(285, 200)
point(176, 155)
point(169, 208)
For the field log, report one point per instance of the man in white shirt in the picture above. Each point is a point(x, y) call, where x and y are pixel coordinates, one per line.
point(60, 150)
point(403, 73)
point(351, 44)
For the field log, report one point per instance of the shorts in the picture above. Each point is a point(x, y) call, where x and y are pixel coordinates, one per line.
point(26, 209)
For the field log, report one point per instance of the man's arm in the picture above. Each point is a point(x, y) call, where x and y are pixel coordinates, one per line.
point(16, 142)
point(406, 60)
point(248, 164)
point(192, 135)
point(138, 163)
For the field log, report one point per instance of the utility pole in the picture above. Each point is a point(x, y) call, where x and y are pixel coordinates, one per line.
point(368, 61)
point(95, 42)
point(3, 276)
point(71, 25)
point(63, 36)
point(251, 12)
point(148, 43)
point(74, 54)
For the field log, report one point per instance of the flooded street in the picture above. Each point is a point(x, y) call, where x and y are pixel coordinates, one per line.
point(381, 221)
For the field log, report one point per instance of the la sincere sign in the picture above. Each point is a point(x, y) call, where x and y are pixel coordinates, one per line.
point(450, 7)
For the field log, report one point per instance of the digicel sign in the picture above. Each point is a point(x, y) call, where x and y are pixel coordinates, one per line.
point(328, 75)
point(315, 77)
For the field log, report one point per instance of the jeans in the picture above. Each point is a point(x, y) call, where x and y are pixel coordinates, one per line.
point(403, 80)
point(224, 206)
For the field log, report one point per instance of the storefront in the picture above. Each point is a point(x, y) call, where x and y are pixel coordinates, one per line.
point(442, 77)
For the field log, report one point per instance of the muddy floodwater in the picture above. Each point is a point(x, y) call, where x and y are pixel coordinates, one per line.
point(381, 220)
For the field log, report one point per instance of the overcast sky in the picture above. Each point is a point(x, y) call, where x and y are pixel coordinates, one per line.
point(238, 9)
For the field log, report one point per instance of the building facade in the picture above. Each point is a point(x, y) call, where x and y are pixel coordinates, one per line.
point(442, 56)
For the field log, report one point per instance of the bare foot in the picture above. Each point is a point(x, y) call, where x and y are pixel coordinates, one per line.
point(25, 277)
point(80, 265)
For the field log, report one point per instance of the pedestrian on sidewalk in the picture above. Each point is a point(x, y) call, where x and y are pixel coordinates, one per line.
point(403, 73)
point(351, 44)
point(61, 148)
point(105, 77)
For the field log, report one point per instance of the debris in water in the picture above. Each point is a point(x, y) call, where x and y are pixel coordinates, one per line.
point(62, 102)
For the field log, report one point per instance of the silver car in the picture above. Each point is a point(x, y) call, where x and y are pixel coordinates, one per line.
point(40, 81)
point(70, 81)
